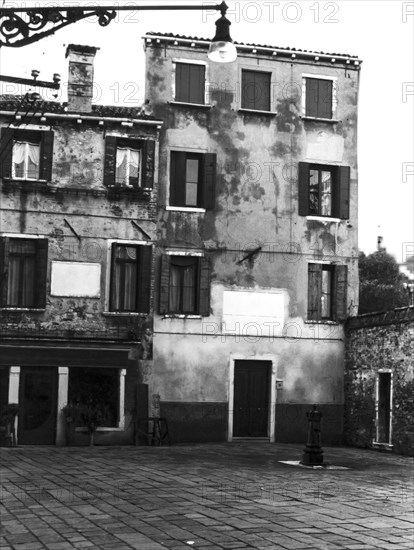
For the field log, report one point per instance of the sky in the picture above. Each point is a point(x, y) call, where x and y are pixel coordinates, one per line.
point(381, 33)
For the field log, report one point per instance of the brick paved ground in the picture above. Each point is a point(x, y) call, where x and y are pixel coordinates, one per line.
point(221, 496)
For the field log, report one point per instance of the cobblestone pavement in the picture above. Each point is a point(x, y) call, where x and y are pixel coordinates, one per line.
point(218, 496)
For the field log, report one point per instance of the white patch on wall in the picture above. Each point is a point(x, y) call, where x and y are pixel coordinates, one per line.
point(253, 313)
point(324, 147)
point(76, 279)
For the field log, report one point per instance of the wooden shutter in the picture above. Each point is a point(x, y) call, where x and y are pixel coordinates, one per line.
point(340, 286)
point(209, 176)
point(204, 287)
point(164, 284)
point(148, 164)
point(312, 97)
point(4, 269)
point(324, 98)
point(110, 161)
point(144, 278)
point(303, 188)
point(46, 156)
point(342, 187)
point(182, 82)
point(177, 178)
point(314, 291)
point(41, 272)
point(262, 91)
point(6, 150)
point(248, 90)
point(112, 297)
point(197, 84)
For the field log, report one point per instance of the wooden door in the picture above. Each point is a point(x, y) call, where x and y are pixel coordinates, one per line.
point(384, 407)
point(38, 405)
point(251, 398)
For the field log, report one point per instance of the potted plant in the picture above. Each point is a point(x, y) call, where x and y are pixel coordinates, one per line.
point(70, 413)
point(92, 415)
point(7, 420)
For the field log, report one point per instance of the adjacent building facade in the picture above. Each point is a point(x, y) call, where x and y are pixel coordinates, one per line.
point(257, 238)
point(77, 228)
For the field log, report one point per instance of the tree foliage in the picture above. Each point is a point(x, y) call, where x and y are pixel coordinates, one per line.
point(381, 285)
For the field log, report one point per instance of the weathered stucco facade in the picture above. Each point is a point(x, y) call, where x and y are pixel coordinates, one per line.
point(71, 321)
point(379, 381)
point(258, 241)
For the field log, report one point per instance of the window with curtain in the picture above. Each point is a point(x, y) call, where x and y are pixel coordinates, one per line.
point(183, 285)
point(130, 278)
point(25, 160)
point(128, 163)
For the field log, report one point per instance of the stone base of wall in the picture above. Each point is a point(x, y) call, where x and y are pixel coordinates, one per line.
point(292, 423)
point(195, 422)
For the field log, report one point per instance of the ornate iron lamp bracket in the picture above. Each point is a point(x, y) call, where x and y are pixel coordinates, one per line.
point(23, 26)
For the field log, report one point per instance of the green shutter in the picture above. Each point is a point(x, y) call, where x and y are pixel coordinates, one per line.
point(177, 178)
point(4, 269)
point(6, 150)
point(144, 279)
point(343, 189)
point(148, 164)
point(339, 299)
point(46, 156)
point(41, 272)
point(324, 98)
point(204, 287)
point(312, 93)
point(262, 91)
point(197, 84)
point(112, 298)
point(209, 181)
point(110, 161)
point(303, 188)
point(314, 291)
point(164, 284)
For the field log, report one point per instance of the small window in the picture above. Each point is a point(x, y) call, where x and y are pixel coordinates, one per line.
point(96, 391)
point(23, 271)
point(256, 90)
point(26, 154)
point(327, 292)
point(130, 284)
point(190, 83)
point(192, 179)
point(128, 166)
point(129, 163)
point(185, 285)
point(319, 98)
point(324, 190)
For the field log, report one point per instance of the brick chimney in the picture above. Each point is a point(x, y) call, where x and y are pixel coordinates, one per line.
point(80, 81)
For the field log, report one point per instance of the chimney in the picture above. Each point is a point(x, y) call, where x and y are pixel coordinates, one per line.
point(80, 81)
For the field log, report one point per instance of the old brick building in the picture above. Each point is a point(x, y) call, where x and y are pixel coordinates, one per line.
point(77, 227)
point(257, 237)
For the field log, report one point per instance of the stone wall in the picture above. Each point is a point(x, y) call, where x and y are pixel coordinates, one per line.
point(381, 342)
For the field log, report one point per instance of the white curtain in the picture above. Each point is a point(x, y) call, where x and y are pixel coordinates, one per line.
point(26, 160)
point(127, 166)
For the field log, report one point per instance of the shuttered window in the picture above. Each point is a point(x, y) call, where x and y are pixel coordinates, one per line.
point(190, 83)
point(184, 285)
point(26, 154)
point(256, 90)
point(129, 163)
point(130, 288)
point(327, 292)
point(192, 179)
point(23, 270)
point(319, 98)
point(323, 190)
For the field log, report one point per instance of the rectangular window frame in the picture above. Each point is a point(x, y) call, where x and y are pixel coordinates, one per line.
point(334, 80)
point(195, 62)
point(242, 98)
point(108, 277)
point(336, 270)
point(128, 150)
point(272, 95)
point(39, 270)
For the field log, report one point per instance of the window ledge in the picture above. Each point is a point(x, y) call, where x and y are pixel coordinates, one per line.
point(185, 104)
point(257, 112)
point(323, 219)
point(184, 209)
point(83, 430)
point(314, 118)
point(29, 309)
point(322, 322)
point(181, 316)
point(124, 314)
